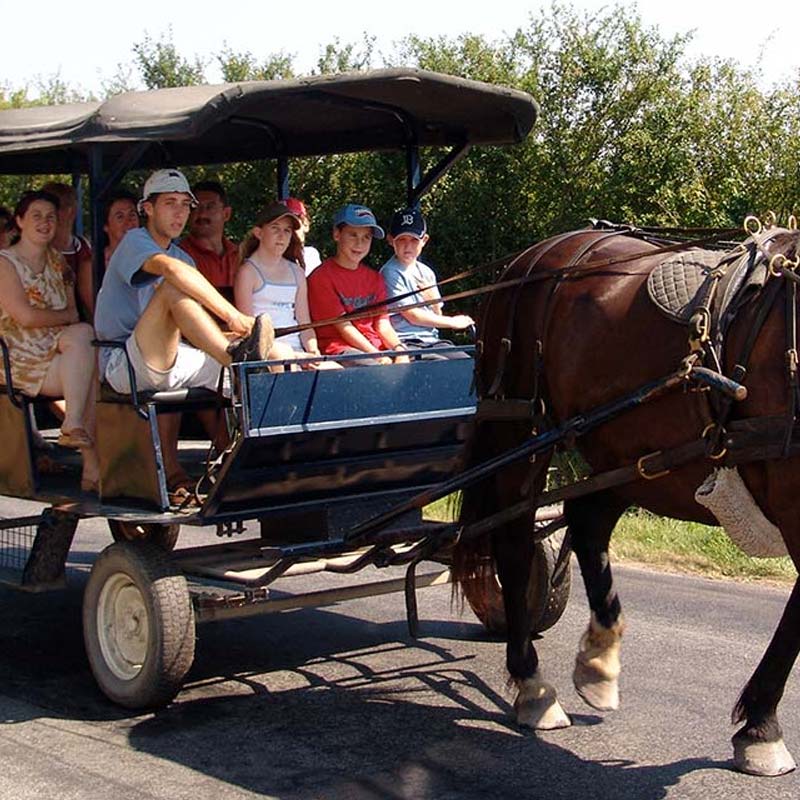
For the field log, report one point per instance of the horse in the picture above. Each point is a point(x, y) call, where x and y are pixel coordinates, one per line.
point(574, 329)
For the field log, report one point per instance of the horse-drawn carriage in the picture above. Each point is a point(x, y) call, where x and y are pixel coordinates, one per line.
point(328, 471)
point(336, 478)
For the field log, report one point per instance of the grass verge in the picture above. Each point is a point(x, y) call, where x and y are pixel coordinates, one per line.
point(691, 547)
point(674, 545)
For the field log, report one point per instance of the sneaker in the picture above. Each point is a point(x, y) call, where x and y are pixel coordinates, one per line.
point(256, 346)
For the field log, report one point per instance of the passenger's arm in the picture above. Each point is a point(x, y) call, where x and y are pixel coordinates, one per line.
point(353, 336)
point(193, 283)
point(431, 319)
point(390, 338)
point(431, 294)
point(303, 316)
point(243, 289)
point(15, 302)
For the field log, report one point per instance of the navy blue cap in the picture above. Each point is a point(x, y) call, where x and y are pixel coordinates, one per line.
point(408, 222)
point(359, 217)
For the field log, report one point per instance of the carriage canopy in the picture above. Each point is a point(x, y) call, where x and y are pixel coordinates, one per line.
point(379, 110)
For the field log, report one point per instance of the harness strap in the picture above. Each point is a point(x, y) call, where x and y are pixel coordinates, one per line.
point(574, 260)
point(791, 363)
point(740, 366)
point(387, 305)
point(748, 440)
point(505, 341)
point(648, 467)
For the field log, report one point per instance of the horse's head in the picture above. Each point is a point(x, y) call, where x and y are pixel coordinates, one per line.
point(779, 242)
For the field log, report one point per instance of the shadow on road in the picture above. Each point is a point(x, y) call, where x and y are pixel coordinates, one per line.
point(375, 742)
point(319, 703)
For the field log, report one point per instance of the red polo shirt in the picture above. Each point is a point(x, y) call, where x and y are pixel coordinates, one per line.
point(334, 290)
point(220, 270)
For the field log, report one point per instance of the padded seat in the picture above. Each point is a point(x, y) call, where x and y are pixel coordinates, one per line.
point(187, 395)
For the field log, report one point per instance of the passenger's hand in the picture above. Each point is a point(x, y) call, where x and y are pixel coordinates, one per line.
point(461, 321)
point(402, 360)
point(384, 360)
point(72, 316)
point(241, 324)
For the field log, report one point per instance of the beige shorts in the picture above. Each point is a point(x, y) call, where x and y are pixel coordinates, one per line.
point(192, 368)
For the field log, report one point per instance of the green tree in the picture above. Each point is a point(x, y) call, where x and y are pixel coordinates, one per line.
point(336, 57)
point(161, 66)
point(246, 67)
point(630, 129)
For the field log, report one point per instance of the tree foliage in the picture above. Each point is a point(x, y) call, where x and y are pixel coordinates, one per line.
point(630, 129)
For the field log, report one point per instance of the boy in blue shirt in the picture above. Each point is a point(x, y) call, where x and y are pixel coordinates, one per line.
point(153, 298)
point(404, 273)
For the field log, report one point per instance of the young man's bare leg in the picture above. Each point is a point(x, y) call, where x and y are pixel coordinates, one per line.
point(158, 331)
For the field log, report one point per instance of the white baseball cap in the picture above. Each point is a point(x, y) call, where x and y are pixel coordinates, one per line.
point(166, 180)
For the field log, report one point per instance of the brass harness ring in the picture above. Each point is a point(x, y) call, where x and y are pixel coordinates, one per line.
point(722, 453)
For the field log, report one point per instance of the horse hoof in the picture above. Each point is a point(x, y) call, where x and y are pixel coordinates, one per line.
point(597, 665)
point(537, 706)
point(766, 759)
point(595, 690)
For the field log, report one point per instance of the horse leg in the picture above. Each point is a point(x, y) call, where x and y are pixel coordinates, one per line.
point(758, 746)
point(536, 704)
point(591, 520)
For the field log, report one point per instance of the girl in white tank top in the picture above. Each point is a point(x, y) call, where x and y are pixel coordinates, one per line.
point(267, 281)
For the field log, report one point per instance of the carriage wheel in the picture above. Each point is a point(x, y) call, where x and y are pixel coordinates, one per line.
point(138, 625)
point(548, 592)
point(165, 536)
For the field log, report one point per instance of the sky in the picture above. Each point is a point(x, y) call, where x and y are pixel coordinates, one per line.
point(84, 41)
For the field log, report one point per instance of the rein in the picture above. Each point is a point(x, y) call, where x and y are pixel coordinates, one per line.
point(570, 272)
point(741, 441)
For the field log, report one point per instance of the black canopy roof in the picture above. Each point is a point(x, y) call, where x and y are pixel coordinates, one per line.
point(383, 109)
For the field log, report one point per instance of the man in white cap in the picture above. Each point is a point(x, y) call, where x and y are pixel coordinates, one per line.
point(152, 297)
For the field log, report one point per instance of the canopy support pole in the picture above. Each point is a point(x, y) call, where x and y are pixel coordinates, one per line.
point(96, 215)
point(434, 173)
point(282, 174)
point(413, 174)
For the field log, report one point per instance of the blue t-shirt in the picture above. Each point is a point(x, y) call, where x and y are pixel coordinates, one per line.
point(127, 288)
point(400, 280)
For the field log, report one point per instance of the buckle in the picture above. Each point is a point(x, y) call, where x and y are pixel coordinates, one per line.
point(641, 465)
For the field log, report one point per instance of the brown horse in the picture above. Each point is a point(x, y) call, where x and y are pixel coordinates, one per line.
point(583, 334)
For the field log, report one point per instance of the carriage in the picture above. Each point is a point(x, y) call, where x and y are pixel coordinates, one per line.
point(329, 471)
point(335, 479)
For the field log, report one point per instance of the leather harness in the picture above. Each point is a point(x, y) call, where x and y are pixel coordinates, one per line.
point(722, 442)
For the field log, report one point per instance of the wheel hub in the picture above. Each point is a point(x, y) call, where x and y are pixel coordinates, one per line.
point(123, 626)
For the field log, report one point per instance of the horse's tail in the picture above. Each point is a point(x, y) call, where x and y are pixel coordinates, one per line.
point(472, 557)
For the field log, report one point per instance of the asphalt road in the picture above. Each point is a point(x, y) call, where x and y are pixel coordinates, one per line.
point(340, 703)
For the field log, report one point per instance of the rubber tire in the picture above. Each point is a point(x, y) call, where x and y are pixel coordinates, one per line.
point(170, 636)
point(547, 602)
point(165, 536)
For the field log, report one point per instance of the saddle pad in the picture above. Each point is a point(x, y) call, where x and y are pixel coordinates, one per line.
point(674, 283)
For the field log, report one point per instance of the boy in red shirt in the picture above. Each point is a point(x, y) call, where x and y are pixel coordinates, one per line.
point(343, 284)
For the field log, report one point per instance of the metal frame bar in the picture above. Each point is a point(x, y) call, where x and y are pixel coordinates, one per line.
point(279, 141)
point(249, 607)
point(436, 171)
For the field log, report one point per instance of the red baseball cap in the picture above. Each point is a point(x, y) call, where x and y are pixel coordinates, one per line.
point(297, 207)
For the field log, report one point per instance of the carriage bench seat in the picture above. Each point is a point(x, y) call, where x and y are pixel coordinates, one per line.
point(160, 401)
point(128, 441)
point(172, 400)
point(19, 472)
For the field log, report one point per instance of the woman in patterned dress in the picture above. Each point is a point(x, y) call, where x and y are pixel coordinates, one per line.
point(51, 352)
